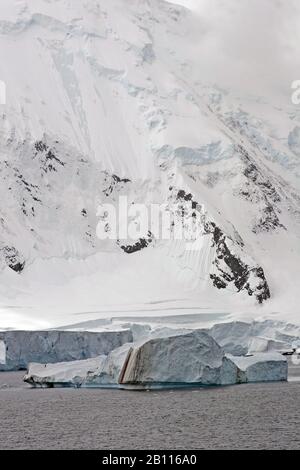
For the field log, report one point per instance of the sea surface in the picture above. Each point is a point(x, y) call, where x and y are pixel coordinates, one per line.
point(252, 416)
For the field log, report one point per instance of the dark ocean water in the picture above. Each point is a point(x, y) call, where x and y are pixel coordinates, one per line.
point(253, 416)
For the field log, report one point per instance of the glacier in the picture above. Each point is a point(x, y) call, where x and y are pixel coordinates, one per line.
point(184, 360)
point(240, 338)
point(19, 348)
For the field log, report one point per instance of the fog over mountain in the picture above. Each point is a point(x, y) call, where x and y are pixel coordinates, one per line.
point(252, 45)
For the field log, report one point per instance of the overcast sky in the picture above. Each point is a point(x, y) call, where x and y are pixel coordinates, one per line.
point(249, 44)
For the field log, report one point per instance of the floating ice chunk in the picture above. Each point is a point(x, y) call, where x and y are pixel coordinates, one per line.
point(193, 359)
point(101, 372)
point(2, 352)
point(71, 373)
point(188, 359)
point(264, 367)
point(112, 369)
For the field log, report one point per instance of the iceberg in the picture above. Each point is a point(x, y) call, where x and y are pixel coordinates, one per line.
point(24, 347)
point(2, 352)
point(72, 373)
point(183, 360)
point(113, 368)
point(263, 367)
point(99, 372)
point(191, 359)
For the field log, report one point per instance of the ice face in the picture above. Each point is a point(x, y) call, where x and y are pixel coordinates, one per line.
point(188, 359)
point(71, 374)
point(191, 359)
point(239, 338)
point(264, 367)
point(23, 347)
point(2, 352)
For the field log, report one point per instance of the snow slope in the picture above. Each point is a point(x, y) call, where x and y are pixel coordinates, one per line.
point(103, 101)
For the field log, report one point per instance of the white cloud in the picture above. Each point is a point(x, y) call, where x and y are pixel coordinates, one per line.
point(249, 44)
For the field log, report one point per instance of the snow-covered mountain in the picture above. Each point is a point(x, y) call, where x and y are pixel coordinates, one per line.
point(103, 101)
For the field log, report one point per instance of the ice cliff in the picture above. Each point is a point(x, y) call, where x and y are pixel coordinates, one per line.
point(191, 359)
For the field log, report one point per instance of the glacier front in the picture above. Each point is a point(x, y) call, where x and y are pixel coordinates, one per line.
point(19, 348)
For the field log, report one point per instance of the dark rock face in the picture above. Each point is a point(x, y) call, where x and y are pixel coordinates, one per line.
point(13, 259)
point(37, 184)
point(231, 269)
point(25, 192)
point(218, 282)
point(260, 190)
point(47, 156)
point(120, 180)
point(138, 246)
point(263, 291)
point(188, 206)
point(268, 221)
point(252, 173)
point(113, 182)
point(186, 197)
point(37, 181)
